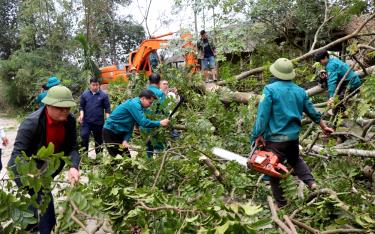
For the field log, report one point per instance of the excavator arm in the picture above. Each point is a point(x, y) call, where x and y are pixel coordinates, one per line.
point(139, 58)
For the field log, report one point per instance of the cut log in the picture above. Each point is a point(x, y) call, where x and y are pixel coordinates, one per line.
point(348, 152)
point(227, 95)
point(314, 90)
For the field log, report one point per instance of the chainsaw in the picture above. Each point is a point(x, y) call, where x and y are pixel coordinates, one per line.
point(262, 161)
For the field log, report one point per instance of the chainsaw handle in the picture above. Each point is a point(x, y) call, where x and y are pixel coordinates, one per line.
point(254, 147)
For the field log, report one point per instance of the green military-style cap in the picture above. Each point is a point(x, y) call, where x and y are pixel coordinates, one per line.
point(59, 96)
point(282, 68)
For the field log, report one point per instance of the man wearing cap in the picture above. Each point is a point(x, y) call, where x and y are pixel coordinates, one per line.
point(52, 81)
point(118, 128)
point(50, 124)
point(93, 104)
point(278, 123)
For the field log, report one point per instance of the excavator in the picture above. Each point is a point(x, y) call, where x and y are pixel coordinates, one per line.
point(139, 59)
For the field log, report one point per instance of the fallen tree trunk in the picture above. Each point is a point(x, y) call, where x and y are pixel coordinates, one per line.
point(307, 55)
point(227, 95)
point(348, 152)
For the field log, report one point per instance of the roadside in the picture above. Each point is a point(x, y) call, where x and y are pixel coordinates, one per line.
point(10, 127)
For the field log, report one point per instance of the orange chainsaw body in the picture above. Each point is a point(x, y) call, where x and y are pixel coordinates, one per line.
point(266, 163)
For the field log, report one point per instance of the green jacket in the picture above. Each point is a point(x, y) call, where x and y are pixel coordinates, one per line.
point(124, 116)
point(336, 70)
point(158, 93)
point(40, 97)
point(280, 112)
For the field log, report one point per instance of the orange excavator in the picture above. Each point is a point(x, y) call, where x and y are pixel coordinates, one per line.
point(139, 59)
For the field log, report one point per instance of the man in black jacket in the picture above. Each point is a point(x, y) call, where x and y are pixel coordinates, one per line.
point(51, 124)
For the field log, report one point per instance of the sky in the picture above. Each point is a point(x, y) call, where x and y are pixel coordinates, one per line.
point(163, 17)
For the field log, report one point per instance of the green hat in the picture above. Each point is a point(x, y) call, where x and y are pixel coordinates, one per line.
point(52, 81)
point(59, 96)
point(282, 69)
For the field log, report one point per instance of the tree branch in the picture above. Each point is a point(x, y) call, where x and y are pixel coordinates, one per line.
point(366, 47)
point(275, 218)
point(347, 134)
point(308, 54)
point(290, 224)
point(75, 219)
point(343, 231)
point(159, 171)
point(212, 168)
point(367, 127)
point(348, 152)
point(343, 79)
point(332, 194)
point(166, 207)
point(305, 226)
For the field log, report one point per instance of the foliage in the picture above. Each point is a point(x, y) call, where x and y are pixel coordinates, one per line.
point(112, 35)
point(30, 70)
point(368, 96)
point(33, 177)
point(88, 49)
point(8, 27)
point(175, 191)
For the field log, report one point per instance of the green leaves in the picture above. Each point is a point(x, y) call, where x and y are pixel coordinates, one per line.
point(14, 212)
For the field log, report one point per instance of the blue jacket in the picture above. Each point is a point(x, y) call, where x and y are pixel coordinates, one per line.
point(94, 106)
point(122, 119)
point(40, 97)
point(158, 93)
point(280, 112)
point(336, 70)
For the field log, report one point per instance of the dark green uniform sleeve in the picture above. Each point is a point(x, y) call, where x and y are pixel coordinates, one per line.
point(310, 110)
point(263, 115)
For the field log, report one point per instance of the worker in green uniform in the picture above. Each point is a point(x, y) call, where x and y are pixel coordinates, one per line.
point(278, 123)
point(118, 127)
point(336, 70)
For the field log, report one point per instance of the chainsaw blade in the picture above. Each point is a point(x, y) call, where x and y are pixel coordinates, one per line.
point(230, 156)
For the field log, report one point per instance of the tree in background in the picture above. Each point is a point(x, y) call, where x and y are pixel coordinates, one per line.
point(38, 40)
point(112, 35)
point(8, 27)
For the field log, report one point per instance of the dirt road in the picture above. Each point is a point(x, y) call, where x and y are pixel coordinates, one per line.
point(10, 126)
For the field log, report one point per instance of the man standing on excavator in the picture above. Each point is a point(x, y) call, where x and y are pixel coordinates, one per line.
point(278, 123)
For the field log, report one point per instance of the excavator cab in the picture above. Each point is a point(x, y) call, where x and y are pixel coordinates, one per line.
point(145, 58)
point(112, 73)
